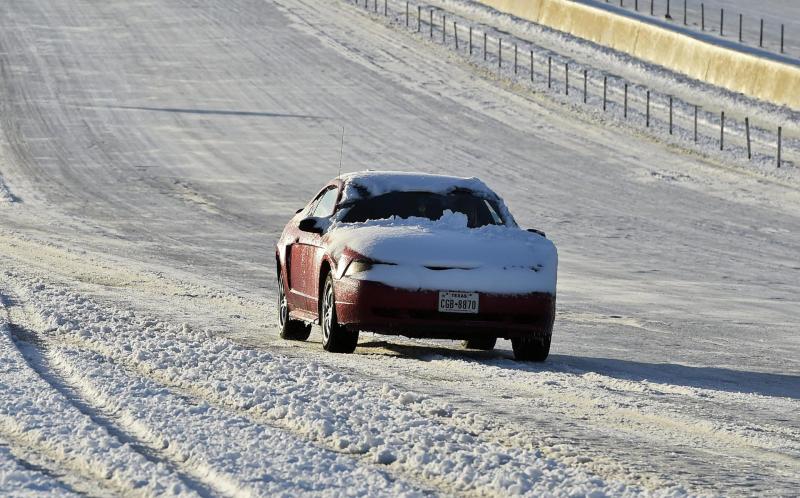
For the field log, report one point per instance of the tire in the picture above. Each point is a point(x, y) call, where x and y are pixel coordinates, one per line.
point(531, 348)
point(482, 343)
point(291, 330)
point(335, 337)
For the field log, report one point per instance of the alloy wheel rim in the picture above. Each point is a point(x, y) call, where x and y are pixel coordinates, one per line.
point(327, 314)
point(284, 307)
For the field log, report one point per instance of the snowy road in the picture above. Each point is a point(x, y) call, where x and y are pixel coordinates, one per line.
point(153, 150)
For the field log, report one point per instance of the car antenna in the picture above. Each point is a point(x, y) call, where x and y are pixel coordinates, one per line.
point(341, 151)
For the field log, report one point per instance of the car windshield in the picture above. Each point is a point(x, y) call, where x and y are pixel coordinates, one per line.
point(479, 211)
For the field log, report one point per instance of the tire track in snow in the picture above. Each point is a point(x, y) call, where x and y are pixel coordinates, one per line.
point(37, 353)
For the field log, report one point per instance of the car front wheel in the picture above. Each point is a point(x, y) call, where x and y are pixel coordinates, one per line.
point(531, 348)
point(335, 338)
point(292, 330)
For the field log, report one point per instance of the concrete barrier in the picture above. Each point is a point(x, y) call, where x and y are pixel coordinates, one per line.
point(765, 79)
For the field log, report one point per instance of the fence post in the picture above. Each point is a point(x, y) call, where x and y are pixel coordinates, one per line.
point(444, 27)
point(625, 105)
point(585, 83)
point(782, 30)
point(605, 92)
point(531, 66)
point(685, 12)
point(670, 114)
point(722, 131)
point(419, 18)
point(635, 5)
point(747, 134)
point(515, 58)
point(431, 24)
point(668, 16)
point(652, 10)
point(499, 52)
point(455, 33)
point(647, 119)
point(470, 40)
point(722, 22)
point(375, 6)
point(695, 123)
point(740, 27)
point(761, 35)
point(549, 71)
point(779, 146)
point(385, 8)
point(566, 78)
point(484, 46)
point(406, 14)
point(703, 16)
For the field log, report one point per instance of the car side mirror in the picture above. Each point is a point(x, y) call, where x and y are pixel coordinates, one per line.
point(534, 230)
point(309, 225)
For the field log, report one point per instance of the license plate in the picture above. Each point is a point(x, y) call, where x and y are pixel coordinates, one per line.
point(458, 302)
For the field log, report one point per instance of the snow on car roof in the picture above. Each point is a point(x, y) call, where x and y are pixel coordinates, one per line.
point(374, 183)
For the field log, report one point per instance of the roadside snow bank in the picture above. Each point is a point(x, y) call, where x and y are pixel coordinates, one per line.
point(446, 254)
point(376, 426)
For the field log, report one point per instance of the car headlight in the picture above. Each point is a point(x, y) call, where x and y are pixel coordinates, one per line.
point(362, 265)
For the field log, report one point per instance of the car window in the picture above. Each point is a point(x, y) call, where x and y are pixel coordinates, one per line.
point(479, 211)
point(326, 203)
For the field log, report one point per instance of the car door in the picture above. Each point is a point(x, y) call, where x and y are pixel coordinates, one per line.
point(305, 254)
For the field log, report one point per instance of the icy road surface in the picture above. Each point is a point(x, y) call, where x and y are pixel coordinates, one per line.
point(153, 150)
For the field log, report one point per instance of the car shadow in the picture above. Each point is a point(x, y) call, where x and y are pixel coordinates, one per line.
point(714, 378)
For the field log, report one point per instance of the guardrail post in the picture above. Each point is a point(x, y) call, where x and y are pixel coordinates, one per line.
point(652, 9)
point(470, 40)
point(747, 134)
point(647, 119)
point(455, 33)
point(668, 16)
point(695, 123)
point(566, 78)
point(605, 92)
point(406, 14)
point(444, 28)
point(761, 35)
point(722, 22)
point(484, 46)
point(635, 5)
point(722, 131)
point(385, 8)
point(779, 146)
point(431, 24)
point(419, 18)
point(549, 71)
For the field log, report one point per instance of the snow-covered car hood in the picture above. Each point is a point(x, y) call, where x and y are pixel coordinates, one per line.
point(446, 255)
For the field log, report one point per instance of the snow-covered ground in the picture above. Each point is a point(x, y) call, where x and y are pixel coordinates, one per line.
point(151, 153)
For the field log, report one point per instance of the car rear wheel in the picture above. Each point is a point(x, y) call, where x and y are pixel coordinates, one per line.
point(292, 330)
point(483, 343)
point(531, 348)
point(335, 338)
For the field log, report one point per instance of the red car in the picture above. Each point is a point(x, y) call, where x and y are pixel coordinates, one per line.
point(415, 255)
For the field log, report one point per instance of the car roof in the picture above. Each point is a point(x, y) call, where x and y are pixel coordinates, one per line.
point(372, 183)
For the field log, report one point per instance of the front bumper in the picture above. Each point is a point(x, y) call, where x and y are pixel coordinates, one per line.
point(375, 307)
